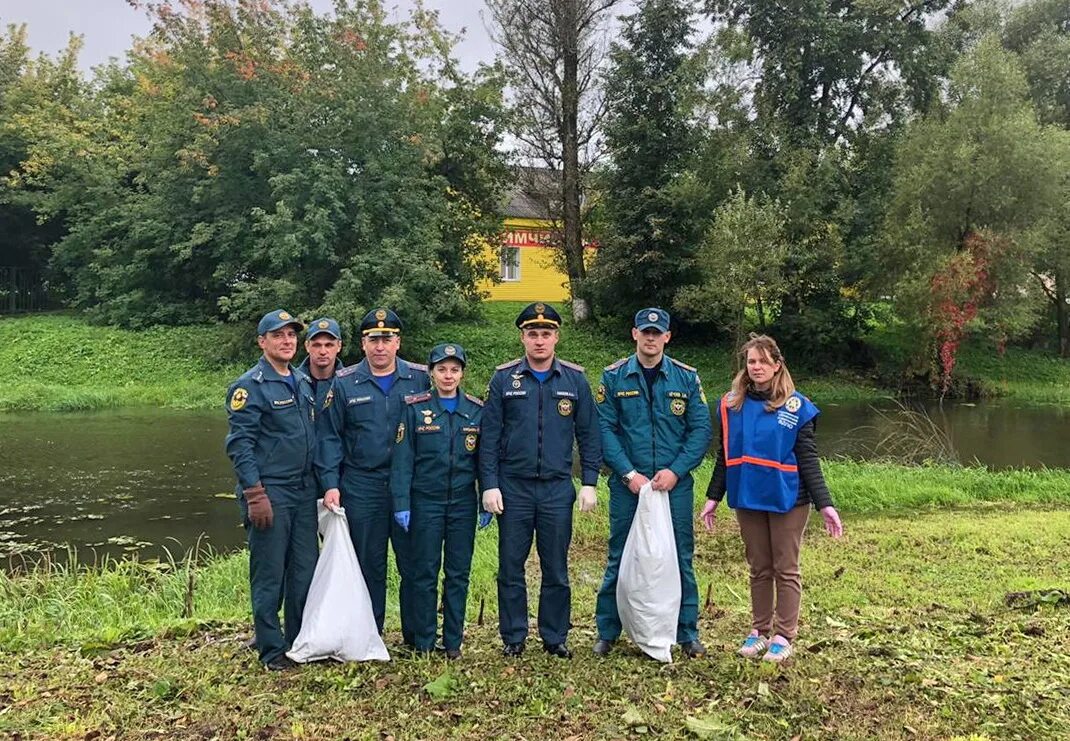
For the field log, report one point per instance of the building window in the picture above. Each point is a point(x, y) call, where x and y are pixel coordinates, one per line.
point(510, 263)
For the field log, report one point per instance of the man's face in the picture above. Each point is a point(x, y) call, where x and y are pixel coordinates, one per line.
point(381, 350)
point(447, 375)
point(279, 345)
point(650, 342)
point(323, 351)
point(539, 343)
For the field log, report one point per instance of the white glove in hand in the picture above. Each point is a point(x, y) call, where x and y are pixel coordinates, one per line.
point(588, 498)
point(492, 501)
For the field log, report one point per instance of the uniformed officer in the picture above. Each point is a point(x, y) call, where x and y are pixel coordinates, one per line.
point(357, 439)
point(433, 476)
point(323, 343)
point(655, 427)
point(272, 443)
point(536, 406)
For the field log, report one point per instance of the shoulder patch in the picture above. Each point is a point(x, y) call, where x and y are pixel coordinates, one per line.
point(616, 364)
point(417, 398)
point(573, 366)
point(474, 399)
point(508, 364)
point(348, 370)
point(683, 365)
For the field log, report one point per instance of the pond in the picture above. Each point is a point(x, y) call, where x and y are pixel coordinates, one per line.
point(154, 481)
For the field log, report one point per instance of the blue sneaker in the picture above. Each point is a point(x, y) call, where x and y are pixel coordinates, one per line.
point(752, 646)
point(777, 652)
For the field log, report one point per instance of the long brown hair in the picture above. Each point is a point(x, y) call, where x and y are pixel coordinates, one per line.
point(782, 387)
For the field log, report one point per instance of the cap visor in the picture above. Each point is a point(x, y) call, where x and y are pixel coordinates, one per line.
point(649, 325)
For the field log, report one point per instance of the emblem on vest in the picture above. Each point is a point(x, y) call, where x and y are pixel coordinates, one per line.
point(793, 404)
point(564, 407)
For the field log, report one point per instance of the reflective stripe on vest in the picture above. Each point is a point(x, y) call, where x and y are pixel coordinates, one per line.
point(748, 458)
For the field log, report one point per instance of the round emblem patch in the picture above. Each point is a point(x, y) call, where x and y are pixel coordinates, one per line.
point(284, 315)
point(401, 433)
point(678, 406)
point(323, 324)
point(450, 350)
point(516, 383)
point(793, 404)
point(380, 314)
point(237, 399)
point(652, 316)
point(470, 442)
point(564, 407)
point(539, 308)
point(428, 420)
point(600, 394)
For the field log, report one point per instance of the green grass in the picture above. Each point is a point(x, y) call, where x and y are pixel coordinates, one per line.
point(905, 634)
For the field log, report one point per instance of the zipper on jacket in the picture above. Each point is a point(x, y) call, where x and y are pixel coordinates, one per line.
point(538, 460)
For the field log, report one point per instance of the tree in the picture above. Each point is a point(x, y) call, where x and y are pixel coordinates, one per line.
point(654, 210)
point(969, 183)
point(741, 263)
point(251, 155)
point(551, 50)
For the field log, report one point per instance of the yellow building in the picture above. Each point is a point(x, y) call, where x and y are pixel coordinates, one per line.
point(526, 263)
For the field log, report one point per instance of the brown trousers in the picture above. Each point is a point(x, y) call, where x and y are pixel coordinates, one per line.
point(772, 543)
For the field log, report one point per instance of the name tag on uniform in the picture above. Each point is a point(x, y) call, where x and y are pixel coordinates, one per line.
point(627, 393)
point(429, 428)
point(514, 394)
point(282, 402)
point(677, 395)
point(565, 394)
point(787, 419)
point(469, 429)
point(359, 400)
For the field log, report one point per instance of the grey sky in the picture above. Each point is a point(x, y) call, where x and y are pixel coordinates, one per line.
point(108, 25)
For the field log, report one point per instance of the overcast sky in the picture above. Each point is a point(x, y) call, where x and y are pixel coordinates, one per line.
point(108, 25)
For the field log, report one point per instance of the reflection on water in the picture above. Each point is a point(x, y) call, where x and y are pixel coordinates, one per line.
point(114, 483)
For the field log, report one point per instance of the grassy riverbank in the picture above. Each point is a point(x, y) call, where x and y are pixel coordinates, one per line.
point(907, 633)
point(57, 362)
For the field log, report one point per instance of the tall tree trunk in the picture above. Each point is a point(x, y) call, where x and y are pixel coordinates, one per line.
point(570, 160)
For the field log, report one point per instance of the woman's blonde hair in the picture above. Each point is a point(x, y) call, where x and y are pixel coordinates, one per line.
point(782, 387)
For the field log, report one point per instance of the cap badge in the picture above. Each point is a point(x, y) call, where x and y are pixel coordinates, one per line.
point(450, 350)
point(284, 316)
point(380, 314)
point(539, 309)
point(652, 316)
point(323, 324)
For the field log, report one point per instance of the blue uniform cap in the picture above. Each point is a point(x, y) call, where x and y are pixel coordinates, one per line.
point(380, 322)
point(278, 319)
point(538, 316)
point(652, 318)
point(326, 325)
point(445, 351)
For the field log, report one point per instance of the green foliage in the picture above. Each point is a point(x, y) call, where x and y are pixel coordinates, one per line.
point(654, 209)
point(251, 155)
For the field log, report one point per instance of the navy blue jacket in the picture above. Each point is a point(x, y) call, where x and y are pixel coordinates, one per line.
point(529, 428)
point(357, 436)
point(322, 388)
point(272, 438)
point(436, 452)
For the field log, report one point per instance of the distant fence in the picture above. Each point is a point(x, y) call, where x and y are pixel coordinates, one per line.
point(21, 291)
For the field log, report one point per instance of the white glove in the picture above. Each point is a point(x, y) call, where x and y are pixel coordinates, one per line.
point(588, 498)
point(492, 501)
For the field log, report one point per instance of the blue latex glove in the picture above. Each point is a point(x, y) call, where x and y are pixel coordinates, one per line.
point(402, 518)
point(484, 519)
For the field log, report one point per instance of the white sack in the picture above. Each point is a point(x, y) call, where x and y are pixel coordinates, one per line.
point(338, 622)
point(648, 583)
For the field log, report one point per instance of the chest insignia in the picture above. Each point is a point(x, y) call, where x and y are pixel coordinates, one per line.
point(627, 392)
point(678, 407)
point(793, 404)
point(470, 442)
point(564, 407)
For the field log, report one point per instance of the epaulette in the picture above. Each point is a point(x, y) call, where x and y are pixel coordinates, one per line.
point(683, 365)
point(573, 366)
point(417, 398)
point(616, 364)
point(258, 376)
point(348, 370)
point(417, 366)
point(474, 399)
point(509, 364)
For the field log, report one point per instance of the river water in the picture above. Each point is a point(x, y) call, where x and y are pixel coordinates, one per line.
point(154, 481)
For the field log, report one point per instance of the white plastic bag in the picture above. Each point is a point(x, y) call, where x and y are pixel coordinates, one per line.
point(648, 583)
point(338, 622)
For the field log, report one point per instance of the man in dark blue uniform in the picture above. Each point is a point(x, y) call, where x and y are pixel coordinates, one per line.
point(655, 428)
point(536, 406)
point(433, 475)
point(272, 444)
point(357, 439)
point(323, 343)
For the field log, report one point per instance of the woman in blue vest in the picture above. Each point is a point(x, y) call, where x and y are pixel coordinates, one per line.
point(767, 462)
point(433, 480)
